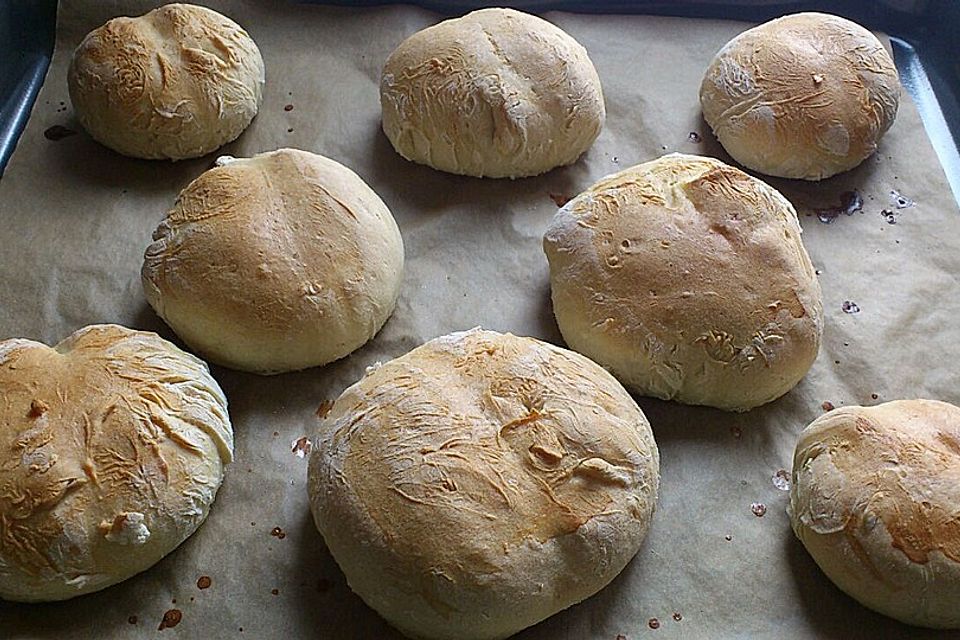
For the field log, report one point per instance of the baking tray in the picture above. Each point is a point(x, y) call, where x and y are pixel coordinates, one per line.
point(337, 611)
point(922, 33)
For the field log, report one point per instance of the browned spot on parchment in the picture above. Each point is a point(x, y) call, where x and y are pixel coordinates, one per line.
point(58, 132)
point(850, 203)
point(170, 619)
point(560, 199)
point(301, 447)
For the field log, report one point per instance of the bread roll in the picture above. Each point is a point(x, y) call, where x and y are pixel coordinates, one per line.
point(875, 499)
point(279, 262)
point(805, 96)
point(688, 280)
point(175, 83)
point(481, 483)
point(497, 93)
point(112, 446)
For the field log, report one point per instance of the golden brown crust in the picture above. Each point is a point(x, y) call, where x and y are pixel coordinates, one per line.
point(282, 261)
point(490, 480)
point(496, 93)
point(875, 499)
point(804, 96)
point(111, 451)
point(688, 279)
point(177, 82)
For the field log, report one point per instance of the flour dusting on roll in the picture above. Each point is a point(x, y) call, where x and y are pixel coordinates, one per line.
point(481, 483)
point(112, 448)
point(279, 262)
point(805, 96)
point(687, 278)
point(175, 83)
point(875, 499)
point(497, 93)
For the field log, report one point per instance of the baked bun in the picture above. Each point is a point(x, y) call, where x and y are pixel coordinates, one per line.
point(687, 279)
point(805, 96)
point(279, 262)
point(497, 93)
point(875, 498)
point(481, 483)
point(112, 446)
point(175, 83)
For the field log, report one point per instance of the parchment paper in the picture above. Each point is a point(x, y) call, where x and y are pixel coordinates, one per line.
point(76, 217)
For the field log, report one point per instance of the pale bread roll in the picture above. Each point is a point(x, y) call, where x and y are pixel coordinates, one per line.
point(688, 280)
point(481, 483)
point(497, 93)
point(279, 262)
point(805, 96)
point(112, 446)
point(875, 499)
point(175, 83)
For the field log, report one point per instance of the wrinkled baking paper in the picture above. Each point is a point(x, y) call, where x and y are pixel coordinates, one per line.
point(76, 217)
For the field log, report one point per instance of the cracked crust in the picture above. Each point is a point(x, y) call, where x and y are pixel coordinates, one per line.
point(687, 278)
point(875, 499)
point(175, 83)
point(283, 261)
point(112, 446)
point(496, 93)
point(481, 483)
point(804, 96)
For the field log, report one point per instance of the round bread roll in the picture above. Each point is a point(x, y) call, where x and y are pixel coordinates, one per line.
point(688, 280)
point(112, 446)
point(497, 93)
point(481, 483)
point(175, 83)
point(279, 262)
point(805, 96)
point(875, 499)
